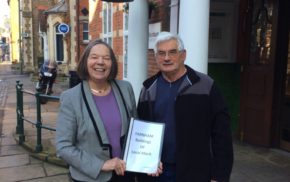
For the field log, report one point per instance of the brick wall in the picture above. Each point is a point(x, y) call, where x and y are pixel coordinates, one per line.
point(80, 18)
point(95, 25)
point(160, 14)
point(95, 31)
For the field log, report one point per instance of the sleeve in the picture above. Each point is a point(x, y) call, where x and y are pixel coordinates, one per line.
point(144, 108)
point(221, 138)
point(67, 139)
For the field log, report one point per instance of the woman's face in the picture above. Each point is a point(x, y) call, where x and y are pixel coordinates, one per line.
point(99, 63)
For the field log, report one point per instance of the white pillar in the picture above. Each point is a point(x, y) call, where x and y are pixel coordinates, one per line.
point(193, 29)
point(137, 44)
point(174, 16)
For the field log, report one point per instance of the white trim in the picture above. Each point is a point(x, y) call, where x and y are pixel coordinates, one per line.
point(55, 43)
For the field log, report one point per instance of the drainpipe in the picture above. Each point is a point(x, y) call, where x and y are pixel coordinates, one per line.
point(78, 30)
point(20, 39)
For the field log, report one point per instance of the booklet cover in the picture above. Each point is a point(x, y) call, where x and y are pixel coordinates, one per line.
point(143, 146)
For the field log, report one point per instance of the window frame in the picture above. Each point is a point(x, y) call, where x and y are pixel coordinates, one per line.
point(107, 30)
point(85, 31)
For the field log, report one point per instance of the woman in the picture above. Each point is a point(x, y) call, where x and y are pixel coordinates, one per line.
point(94, 118)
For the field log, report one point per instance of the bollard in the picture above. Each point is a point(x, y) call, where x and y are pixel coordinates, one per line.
point(20, 114)
point(38, 147)
point(17, 106)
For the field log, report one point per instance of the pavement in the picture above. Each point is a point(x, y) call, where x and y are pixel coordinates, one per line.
point(22, 163)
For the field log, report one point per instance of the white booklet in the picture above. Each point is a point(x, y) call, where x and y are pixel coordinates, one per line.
point(143, 146)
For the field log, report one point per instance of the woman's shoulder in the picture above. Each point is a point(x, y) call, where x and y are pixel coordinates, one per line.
point(72, 91)
point(123, 83)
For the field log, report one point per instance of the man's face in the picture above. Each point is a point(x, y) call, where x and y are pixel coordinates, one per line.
point(169, 59)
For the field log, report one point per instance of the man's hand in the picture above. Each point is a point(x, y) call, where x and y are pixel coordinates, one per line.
point(158, 172)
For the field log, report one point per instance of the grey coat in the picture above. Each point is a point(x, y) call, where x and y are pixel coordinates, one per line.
point(77, 141)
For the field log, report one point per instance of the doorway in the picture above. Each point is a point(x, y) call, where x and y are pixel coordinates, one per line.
point(256, 50)
point(59, 49)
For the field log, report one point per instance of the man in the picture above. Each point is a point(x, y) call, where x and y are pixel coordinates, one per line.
point(48, 67)
point(197, 143)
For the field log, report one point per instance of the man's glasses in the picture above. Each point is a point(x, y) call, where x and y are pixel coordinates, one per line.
point(171, 53)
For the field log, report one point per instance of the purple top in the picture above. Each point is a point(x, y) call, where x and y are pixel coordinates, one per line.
point(110, 114)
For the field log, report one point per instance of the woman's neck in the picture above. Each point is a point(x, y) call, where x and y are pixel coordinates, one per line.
point(99, 88)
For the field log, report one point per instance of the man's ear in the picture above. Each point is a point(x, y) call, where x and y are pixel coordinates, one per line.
point(183, 55)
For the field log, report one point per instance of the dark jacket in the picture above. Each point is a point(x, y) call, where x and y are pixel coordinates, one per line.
point(203, 137)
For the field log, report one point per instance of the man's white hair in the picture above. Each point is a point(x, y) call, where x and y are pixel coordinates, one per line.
point(165, 36)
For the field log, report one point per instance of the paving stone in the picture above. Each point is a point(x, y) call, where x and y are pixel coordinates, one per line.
point(14, 160)
point(34, 161)
point(240, 177)
point(58, 178)
point(12, 150)
point(52, 170)
point(8, 141)
point(20, 173)
point(11, 116)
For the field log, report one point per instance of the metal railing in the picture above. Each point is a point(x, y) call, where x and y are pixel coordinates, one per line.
point(21, 118)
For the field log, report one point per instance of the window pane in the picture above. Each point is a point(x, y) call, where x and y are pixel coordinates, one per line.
point(110, 41)
point(105, 21)
point(59, 47)
point(85, 36)
point(85, 31)
point(126, 20)
point(109, 20)
point(85, 26)
point(125, 67)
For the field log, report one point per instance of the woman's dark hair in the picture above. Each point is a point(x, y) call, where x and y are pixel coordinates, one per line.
point(82, 68)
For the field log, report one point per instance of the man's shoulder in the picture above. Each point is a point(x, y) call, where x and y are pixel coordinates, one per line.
point(149, 81)
point(204, 76)
point(196, 75)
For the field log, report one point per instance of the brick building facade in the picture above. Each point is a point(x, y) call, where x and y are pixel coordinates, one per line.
point(160, 13)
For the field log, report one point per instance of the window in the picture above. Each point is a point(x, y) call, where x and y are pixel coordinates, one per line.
point(107, 22)
point(59, 44)
point(85, 32)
